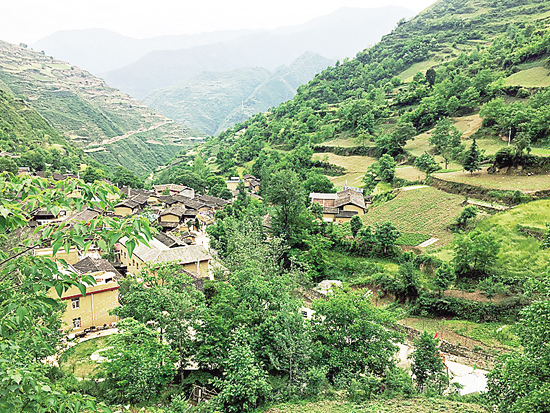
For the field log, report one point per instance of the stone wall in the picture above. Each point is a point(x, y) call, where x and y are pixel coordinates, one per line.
point(453, 352)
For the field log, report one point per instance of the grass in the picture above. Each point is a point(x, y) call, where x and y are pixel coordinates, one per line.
point(350, 163)
point(534, 77)
point(77, 360)
point(520, 256)
point(348, 265)
point(411, 238)
point(424, 211)
point(408, 74)
point(410, 173)
point(397, 405)
point(522, 183)
point(490, 335)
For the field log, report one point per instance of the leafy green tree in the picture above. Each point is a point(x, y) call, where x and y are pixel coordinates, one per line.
point(29, 318)
point(137, 366)
point(520, 382)
point(444, 277)
point(244, 385)
point(318, 183)
point(92, 174)
point(404, 131)
point(427, 163)
point(351, 336)
point(284, 191)
point(125, 177)
point(386, 168)
point(427, 365)
point(446, 139)
point(355, 224)
point(475, 253)
point(472, 160)
point(8, 165)
point(467, 215)
point(385, 235)
point(409, 284)
point(521, 143)
point(430, 76)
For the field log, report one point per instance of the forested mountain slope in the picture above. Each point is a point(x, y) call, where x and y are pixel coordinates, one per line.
point(213, 101)
point(453, 59)
point(93, 116)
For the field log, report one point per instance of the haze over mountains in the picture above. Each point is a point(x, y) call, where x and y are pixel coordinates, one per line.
point(148, 68)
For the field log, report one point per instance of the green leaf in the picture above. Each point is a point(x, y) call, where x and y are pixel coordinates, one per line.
point(55, 246)
point(21, 313)
point(82, 289)
point(59, 289)
point(17, 378)
point(130, 245)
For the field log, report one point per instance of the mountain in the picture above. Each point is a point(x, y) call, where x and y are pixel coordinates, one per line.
point(336, 36)
point(102, 50)
point(107, 124)
point(213, 101)
point(453, 60)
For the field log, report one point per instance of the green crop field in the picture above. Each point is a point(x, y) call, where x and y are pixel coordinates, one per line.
point(522, 183)
point(350, 163)
point(424, 211)
point(534, 77)
point(412, 405)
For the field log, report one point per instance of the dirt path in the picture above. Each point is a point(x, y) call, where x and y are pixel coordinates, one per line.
point(128, 134)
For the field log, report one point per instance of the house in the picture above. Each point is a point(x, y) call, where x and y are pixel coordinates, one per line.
point(350, 200)
point(329, 213)
point(194, 258)
point(71, 257)
point(325, 200)
point(173, 189)
point(344, 216)
point(252, 183)
point(170, 218)
point(131, 206)
point(169, 240)
point(213, 201)
point(91, 310)
point(346, 200)
point(232, 183)
point(24, 170)
point(95, 265)
point(43, 216)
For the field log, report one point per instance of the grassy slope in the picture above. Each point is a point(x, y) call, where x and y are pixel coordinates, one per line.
point(425, 211)
point(86, 110)
point(520, 256)
point(77, 360)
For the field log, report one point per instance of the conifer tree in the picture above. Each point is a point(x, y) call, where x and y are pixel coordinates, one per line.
point(472, 160)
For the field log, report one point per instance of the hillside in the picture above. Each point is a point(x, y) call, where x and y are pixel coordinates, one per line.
point(90, 114)
point(214, 101)
point(336, 36)
point(473, 49)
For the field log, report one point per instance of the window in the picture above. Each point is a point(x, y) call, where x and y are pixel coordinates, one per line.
point(75, 303)
point(76, 322)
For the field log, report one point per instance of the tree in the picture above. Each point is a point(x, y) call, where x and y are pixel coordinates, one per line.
point(475, 253)
point(473, 158)
point(520, 382)
point(427, 365)
point(446, 139)
point(468, 214)
point(385, 235)
point(137, 366)
point(445, 276)
point(125, 177)
point(430, 76)
point(29, 319)
point(318, 183)
point(285, 192)
point(244, 385)
point(408, 282)
point(427, 163)
point(355, 224)
point(386, 168)
point(92, 174)
point(351, 336)
point(8, 165)
point(522, 142)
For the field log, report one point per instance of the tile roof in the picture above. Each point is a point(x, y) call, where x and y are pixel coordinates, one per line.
point(349, 196)
point(173, 210)
point(90, 265)
point(158, 252)
point(345, 214)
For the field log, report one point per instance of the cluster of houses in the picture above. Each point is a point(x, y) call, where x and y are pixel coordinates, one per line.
point(179, 214)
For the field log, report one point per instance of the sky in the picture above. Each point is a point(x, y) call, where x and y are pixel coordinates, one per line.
point(28, 21)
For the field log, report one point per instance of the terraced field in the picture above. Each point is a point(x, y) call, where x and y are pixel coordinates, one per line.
point(426, 211)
